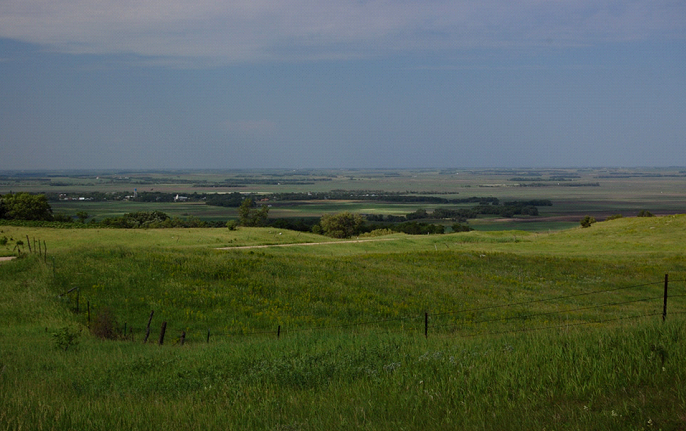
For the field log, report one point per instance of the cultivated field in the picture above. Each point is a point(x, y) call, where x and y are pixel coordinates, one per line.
point(480, 330)
point(574, 193)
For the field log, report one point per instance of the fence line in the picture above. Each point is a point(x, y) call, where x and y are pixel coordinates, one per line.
point(453, 326)
point(527, 316)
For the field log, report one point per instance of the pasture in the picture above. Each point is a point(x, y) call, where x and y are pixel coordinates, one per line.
point(526, 330)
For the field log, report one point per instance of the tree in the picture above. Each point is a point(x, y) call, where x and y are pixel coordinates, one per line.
point(342, 225)
point(458, 227)
point(249, 216)
point(587, 221)
point(82, 216)
point(25, 206)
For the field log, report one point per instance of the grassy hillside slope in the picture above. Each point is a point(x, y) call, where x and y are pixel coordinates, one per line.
point(352, 351)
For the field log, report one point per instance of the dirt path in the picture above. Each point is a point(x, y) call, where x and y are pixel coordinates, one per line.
point(5, 259)
point(305, 243)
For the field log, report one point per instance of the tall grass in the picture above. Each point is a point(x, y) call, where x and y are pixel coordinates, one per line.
point(352, 351)
point(626, 378)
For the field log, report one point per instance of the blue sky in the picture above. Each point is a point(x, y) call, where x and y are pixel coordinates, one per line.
point(152, 84)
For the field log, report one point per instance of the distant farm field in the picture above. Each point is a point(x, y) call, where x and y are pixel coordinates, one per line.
point(574, 193)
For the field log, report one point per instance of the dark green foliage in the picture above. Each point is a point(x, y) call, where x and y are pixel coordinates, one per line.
point(613, 217)
point(342, 225)
point(25, 206)
point(587, 221)
point(645, 213)
point(82, 216)
point(250, 216)
point(458, 227)
point(232, 224)
point(67, 337)
point(225, 199)
point(138, 219)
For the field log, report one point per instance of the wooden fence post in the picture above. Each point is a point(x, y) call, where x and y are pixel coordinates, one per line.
point(426, 325)
point(28, 241)
point(208, 335)
point(183, 337)
point(278, 332)
point(164, 328)
point(147, 329)
point(664, 307)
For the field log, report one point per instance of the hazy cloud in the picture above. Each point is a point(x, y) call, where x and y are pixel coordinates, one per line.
point(225, 31)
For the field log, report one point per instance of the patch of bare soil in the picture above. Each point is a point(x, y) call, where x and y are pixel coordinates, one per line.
point(304, 243)
point(7, 258)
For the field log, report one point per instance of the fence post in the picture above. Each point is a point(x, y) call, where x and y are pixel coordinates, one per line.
point(426, 324)
point(164, 328)
point(664, 307)
point(183, 337)
point(28, 241)
point(208, 335)
point(147, 330)
point(278, 332)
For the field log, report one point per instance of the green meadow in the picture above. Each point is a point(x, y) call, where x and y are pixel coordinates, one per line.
point(493, 330)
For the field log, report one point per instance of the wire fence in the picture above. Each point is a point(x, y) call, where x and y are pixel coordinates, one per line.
point(495, 319)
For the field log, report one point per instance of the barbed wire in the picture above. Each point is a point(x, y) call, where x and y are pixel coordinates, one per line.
point(284, 329)
point(535, 301)
point(550, 313)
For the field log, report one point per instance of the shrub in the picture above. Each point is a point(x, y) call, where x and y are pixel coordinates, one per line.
point(458, 227)
point(377, 232)
point(232, 224)
point(645, 213)
point(587, 221)
point(613, 217)
point(67, 337)
point(105, 325)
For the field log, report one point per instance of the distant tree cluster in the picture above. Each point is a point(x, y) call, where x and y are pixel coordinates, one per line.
point(248, 215)
point(25, 206)
point(587, 221)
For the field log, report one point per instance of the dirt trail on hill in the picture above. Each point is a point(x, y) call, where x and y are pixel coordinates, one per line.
point(243, 247)
point(7, 258)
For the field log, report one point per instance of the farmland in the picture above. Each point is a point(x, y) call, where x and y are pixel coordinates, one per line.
point(526, 322)
point(573, 193)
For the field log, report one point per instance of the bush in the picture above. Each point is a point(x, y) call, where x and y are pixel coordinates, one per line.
point(232, 224)
point(377, 232)
point(105, 325)
point(587, 221)
point(67, 337)
point(458, 227)
point(645, 213)
point(613, 217)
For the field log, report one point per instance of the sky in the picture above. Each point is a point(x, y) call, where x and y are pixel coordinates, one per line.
point(220, 84)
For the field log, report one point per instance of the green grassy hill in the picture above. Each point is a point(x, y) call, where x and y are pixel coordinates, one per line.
point(525, 331)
